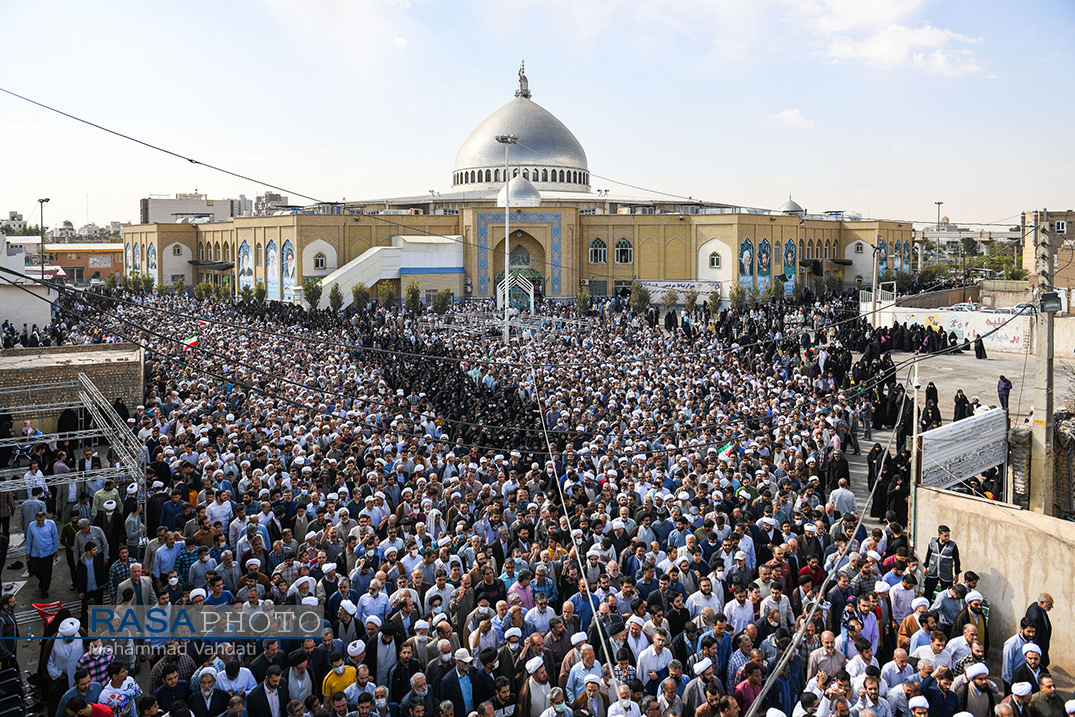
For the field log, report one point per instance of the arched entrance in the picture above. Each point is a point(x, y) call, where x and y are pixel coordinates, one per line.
point(527, 261)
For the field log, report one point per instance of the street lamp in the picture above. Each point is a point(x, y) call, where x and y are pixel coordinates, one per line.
point(937, 246)
point(507, 140)
point(41, 246)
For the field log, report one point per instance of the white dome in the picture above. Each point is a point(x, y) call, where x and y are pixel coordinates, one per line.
point(545, 152)
point(523, 193)
point(791, 207)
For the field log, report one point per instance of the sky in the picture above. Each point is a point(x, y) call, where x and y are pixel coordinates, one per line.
point(876, 106)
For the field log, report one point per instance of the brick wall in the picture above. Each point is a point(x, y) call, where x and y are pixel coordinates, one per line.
point(113, 377)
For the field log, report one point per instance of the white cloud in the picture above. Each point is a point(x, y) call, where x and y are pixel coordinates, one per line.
point(791, 118)
point(399, 42)
point(928, 48)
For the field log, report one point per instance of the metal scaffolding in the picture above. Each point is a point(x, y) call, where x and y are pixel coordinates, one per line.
point(50, 438)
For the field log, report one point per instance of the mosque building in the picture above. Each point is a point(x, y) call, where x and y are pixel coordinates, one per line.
point(563, 234)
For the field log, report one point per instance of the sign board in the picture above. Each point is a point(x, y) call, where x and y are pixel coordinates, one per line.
point(962, 450)
point(704, 288)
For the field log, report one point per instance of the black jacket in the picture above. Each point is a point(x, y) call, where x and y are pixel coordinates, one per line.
point(99, 571)
point(257, 702)
point(218, 704)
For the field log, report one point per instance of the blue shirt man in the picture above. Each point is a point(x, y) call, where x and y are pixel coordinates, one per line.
point(167, 554)
point(42, 540)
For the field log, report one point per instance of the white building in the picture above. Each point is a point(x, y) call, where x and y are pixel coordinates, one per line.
point(28, 301)
point(949, 236)
point(165, 210)
point(14, 223)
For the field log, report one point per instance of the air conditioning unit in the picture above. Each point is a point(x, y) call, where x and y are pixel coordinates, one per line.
point(584, 282)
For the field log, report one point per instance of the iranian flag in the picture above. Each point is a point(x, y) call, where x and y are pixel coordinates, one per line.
point(202, 322)
point(190, 342)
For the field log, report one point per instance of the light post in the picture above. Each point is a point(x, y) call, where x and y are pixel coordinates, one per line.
point(937, 245)
point(41, 246)
point(507, 140)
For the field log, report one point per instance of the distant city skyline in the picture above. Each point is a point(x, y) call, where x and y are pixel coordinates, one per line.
point(876, 106)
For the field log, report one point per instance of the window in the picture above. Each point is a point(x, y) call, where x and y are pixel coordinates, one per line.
point(826, 250)
point(534, 174)
point(689, 209)
point(858, 248)
point(714, 260)
point(514, 172)
point(201, 252)
point(1061, 226)
point(496, 175)
point(227, 252)
point(561, 175)
point(810, 249)
point(625, 253)
point(519, 256)
point(319, 260)
point(72, 256)
point(488, 176)
point(177, 250)
point(216, 253)
point(257, 255)
point(526, 174)
point(598, 252)
point(544, 175)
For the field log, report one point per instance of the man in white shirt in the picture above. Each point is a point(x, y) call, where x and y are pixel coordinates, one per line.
point(624, 707)
point(654, 660)
point(739, 612)
point(705, 597)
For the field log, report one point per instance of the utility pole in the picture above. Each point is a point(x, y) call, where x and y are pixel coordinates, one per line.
point(911, 509)
point(937, 243)
point(874, 303)
point(507, 140)
point(1042, 478)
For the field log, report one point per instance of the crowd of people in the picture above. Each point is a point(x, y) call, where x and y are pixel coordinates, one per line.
point(607, 518)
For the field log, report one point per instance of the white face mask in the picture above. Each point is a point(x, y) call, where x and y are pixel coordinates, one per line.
point(173, 581)
point(96, 650)
point(381, 703)
point(446, 658)
point(338, 669)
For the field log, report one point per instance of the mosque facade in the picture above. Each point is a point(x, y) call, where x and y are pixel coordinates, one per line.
point(564, 234)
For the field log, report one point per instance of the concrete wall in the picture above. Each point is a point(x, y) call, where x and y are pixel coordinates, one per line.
point(940, 300)
point(21, 308)
point(116, 369)
point(1018, 555)
point(1011, 338)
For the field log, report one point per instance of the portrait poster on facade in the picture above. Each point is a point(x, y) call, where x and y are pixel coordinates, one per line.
point(290, 288)
point(272, 271)
point(882, 255)
point(789, 267)
point(246, 266)
point(151, 260)
point(746, 264)
point(765, 263)
point(128, 262)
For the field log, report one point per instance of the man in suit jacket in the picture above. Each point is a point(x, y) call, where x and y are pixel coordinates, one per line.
point(271, 691)
point(91, 594)
point(592, 698)
point(208, 701)
point(1038, 613)
point(145, 594)
point(271, 654)
point(450, 686)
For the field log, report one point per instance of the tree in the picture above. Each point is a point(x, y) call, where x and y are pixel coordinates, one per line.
point(669, 299)
point(772, 293)
point(387, 295)
point(260, 292)
point(970, 246)
point(411, 301)
point(246, 294)
point(834, 282)
point(714, 302)
point(799, 291)
point(360, 297)
point(112, 282)
point(335, 298)
point(690, 299)
point(582, 300)
point(203, 291)
point(640, 298)
point(737, 297)
point(179, 285)
point(221, 291)
point(147, 284)
point(442, 301)
point(311, 291)
point(753, 297)
point(161, 288)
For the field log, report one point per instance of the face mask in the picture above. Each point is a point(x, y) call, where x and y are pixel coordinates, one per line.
point(560, 707)
point(446, 658)
point(381, 703)
point(496, 665)
point(421, 693)
point(339, 669)
point(514, 646)
point(204, 558)
point(96, 650)
point(173, 581)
